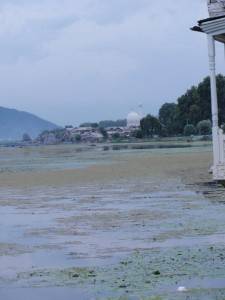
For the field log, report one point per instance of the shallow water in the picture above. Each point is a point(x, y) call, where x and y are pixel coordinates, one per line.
point(99, 242)
point(15, 160)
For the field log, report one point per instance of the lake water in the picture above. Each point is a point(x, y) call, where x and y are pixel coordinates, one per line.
point(126, 239)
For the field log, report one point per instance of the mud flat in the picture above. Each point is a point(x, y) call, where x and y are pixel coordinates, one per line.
point(95, 224)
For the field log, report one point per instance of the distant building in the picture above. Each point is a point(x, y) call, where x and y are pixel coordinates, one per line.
point(133, 118)
point(48, 138)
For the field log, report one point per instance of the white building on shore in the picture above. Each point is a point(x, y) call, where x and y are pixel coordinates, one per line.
point(214, 28)
point(134, 118)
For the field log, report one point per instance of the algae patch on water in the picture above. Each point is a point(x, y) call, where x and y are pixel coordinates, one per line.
point(13, 249)
point(145, 273)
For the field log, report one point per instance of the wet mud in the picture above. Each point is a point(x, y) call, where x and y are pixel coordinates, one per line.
point(112, 225)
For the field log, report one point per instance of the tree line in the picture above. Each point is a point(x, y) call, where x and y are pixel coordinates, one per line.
point(190, 115)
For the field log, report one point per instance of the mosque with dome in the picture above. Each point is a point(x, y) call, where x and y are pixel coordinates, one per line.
point(133, 118)
point(90, 134)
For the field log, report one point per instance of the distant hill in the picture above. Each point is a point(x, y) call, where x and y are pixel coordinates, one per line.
point(14, 123)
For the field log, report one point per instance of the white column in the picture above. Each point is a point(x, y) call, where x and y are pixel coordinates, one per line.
point(214, 105)
point(224, 49)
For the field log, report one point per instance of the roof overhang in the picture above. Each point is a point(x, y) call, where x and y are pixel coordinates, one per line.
point(212, 26)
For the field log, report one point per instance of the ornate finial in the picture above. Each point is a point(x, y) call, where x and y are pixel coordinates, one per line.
point(216, 8)
point(140, 111)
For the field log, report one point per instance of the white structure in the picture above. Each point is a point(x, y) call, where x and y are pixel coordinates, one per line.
point(214, 27)
point(133, 119)
point(140, 111)
point(216, 8)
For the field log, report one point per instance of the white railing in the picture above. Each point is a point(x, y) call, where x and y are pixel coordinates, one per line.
point(221, 138)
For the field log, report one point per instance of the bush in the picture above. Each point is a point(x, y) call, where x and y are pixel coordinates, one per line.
point(138, 134)
point(26, 137)
point(189, 129)
point(204, 127)
point(78, 137)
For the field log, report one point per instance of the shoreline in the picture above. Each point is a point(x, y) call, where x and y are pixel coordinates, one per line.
point(189, 163)
point(135, 223)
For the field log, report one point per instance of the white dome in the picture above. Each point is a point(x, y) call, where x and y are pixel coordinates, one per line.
point(133, 119)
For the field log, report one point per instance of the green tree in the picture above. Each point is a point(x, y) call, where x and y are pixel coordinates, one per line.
point(189, 129)
point(195, 105)
point(204, 99)
point(111, 123)
point(116, 136)
point(60, 134)
point(220, 82)
point(150, 125)
point(185, 107)
point(194, 114)
point(94, 125)
point(138, 134)
point(166, 115)
point(78, 137)
point(85, 124)
point(103, 132)
point(26, 137)
point(204, 127)
point(223, 128)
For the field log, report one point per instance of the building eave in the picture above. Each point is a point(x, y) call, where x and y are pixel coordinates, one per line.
point(212, 26)
point(196, 28)
point(200, 22)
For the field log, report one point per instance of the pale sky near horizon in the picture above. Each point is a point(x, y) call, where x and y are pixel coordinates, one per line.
point(72, 61)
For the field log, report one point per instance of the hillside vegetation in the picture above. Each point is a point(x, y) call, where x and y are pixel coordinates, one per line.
point(14, 123)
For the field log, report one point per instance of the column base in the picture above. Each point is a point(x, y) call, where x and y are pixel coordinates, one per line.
point(219, 172)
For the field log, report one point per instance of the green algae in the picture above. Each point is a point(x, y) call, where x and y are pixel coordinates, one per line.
point(13, 249)
point(164, 235)
point(150, 274)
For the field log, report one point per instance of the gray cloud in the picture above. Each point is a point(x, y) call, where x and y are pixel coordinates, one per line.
point(110, 12)
point(72, 61)
point(27, 36)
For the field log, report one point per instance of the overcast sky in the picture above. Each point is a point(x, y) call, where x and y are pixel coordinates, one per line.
point(72, 61)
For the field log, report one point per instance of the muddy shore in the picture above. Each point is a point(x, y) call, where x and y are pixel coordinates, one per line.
point(111, 224)
point(191, 164)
